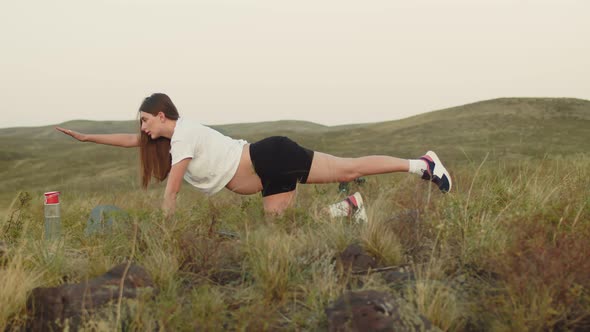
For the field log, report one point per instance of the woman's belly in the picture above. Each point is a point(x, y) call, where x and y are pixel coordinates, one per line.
point(245, 181)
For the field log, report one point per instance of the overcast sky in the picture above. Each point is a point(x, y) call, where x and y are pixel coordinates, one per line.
point(330, 62)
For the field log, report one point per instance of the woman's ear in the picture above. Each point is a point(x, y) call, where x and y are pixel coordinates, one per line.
point(161, 116)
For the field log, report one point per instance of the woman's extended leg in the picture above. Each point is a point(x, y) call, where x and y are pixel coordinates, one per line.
point(326, 168)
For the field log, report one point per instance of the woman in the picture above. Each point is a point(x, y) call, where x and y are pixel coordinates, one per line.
point(175, 148)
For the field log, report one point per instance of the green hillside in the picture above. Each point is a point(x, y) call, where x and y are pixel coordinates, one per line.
point(505, 128)
point(41, 158)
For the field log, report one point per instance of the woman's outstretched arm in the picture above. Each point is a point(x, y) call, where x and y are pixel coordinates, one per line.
point(123, 140)
point(173, 186)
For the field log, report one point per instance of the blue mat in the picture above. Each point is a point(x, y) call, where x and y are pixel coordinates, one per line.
point(102, 218)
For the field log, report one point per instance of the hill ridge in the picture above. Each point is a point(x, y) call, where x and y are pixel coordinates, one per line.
point(564, 101)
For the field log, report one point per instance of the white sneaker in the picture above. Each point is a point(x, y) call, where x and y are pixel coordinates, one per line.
point(359, 214)
point(351, 207)
point(436, 172)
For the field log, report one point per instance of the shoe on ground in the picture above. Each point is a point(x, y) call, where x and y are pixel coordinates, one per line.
point(436, 172)
point(357, 207)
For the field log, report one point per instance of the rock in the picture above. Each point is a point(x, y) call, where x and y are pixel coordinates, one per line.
point(356, 259)
point(102, 218)
point(399, 277)
point(51, 307)
point(371, 310)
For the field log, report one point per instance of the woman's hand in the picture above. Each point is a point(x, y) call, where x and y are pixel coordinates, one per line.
point(79, 136)
point(173, 186)
point(123, 140)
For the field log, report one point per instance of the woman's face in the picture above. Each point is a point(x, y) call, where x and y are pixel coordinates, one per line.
point(150, 124)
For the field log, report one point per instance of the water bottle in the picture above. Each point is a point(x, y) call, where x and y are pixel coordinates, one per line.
point(52, 216)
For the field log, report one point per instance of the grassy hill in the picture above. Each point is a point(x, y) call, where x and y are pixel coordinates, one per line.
point(502, 127)
point(41, 158)
point(38, 159)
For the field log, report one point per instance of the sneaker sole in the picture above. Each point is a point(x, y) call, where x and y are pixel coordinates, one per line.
point(360, 214)
point(440, 171)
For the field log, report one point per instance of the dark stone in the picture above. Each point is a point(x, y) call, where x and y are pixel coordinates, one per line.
point(51, 307)
point(398, 277)
point(371, 310)
point(356, 259)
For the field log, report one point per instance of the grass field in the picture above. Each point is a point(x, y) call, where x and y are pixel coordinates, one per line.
point(507, 250)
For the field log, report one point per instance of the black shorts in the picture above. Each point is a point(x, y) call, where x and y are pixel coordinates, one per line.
point(280, 163)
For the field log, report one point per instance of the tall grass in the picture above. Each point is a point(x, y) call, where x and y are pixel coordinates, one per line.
point(507, 250)
point(16, 280)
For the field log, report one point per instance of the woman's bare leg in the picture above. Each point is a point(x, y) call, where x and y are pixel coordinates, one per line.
point(326, 168)
point(277, 203)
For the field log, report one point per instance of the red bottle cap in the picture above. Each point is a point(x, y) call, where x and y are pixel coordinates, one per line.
point(52, 197)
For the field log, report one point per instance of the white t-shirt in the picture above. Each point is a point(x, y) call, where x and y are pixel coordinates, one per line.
point(215, 157)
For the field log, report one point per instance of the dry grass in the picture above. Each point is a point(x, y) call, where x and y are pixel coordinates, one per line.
point(506, 251)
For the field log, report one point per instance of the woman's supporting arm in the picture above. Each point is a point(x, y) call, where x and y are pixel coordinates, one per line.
point(173, 186)
point(123, 140)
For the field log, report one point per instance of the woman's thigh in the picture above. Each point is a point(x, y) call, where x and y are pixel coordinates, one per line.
point(326, 168)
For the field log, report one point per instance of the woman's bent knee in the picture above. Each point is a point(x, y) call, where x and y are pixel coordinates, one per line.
point(276, 204)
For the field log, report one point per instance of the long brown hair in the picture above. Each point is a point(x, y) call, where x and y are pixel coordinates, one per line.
point(155, 153)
